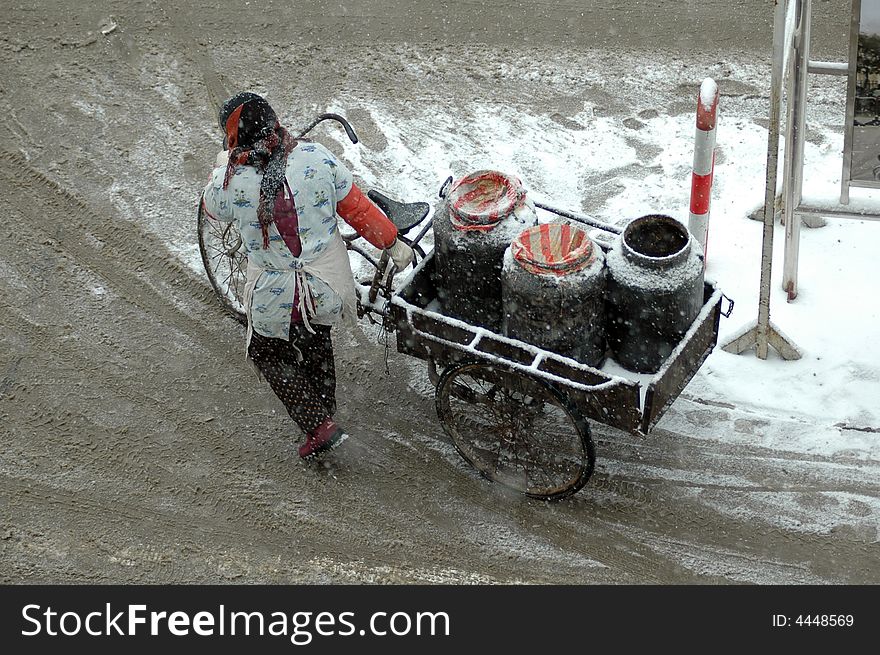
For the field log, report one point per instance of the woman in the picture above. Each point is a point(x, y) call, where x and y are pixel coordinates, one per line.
point(284, 195)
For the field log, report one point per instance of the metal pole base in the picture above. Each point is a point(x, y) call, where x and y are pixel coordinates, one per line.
point(758, 214)
point(810, 217)
point(754, 337)
point(813, 221)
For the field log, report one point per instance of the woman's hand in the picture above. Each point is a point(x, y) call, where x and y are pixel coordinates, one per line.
point(401, 254)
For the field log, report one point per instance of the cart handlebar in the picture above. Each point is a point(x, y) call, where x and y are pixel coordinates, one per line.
point(349, 130)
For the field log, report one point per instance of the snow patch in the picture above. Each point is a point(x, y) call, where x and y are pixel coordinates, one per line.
point(708, 92)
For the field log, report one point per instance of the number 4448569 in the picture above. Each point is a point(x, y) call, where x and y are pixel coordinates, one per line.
point(824, 620)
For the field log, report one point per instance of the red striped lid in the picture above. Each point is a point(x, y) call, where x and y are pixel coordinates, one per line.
point(556, 248)
point(483, 199)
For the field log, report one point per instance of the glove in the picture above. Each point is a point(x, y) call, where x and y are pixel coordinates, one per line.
point(222, 158)
point(400, 253)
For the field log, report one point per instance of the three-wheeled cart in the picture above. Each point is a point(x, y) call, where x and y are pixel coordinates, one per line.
point(519, 414)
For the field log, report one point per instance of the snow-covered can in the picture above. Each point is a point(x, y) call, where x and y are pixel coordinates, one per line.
point(655, 291)
point(553, 290)
point(482, 213)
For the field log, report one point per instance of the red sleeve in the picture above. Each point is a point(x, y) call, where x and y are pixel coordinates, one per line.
point(368, 220)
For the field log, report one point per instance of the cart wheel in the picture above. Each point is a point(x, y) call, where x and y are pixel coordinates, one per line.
point(224, 261)
point(515, 429)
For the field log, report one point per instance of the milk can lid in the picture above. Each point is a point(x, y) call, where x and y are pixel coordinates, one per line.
point(482, 199)
point(556, 248)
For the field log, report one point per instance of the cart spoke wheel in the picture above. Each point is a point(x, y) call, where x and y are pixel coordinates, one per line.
point(515, 429)
point(224, 261)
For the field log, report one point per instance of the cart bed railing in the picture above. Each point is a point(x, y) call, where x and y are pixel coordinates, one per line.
point(424, 332)
point(685, 360)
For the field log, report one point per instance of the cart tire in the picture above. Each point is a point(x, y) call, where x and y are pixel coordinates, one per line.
point(515, 429)
point(225, 263)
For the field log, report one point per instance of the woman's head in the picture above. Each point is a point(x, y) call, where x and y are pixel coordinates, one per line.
point(246, 118)
point(254, 137)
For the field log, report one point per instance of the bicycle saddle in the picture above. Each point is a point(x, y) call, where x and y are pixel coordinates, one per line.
point(404, 215)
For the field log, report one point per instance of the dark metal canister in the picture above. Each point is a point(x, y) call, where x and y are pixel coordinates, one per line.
point(563, 310)
point(655, 291)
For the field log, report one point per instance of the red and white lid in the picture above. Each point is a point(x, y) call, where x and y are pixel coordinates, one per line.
point(483, 199)
point(553, 248)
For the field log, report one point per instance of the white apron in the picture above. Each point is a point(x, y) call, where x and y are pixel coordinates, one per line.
point(332, 267)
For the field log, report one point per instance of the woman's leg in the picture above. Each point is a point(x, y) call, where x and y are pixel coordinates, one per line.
point(291, 380)
point(317, 351)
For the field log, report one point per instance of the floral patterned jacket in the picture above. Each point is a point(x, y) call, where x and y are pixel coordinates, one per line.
point(317, 180)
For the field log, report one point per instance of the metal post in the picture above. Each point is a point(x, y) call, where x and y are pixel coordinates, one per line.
point(763, 333)
point(849, 127)
point(704, 164)
point(795, 130)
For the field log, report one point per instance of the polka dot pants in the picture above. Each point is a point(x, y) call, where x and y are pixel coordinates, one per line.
point(307, 387)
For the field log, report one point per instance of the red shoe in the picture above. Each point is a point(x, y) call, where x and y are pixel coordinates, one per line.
point(322, 439)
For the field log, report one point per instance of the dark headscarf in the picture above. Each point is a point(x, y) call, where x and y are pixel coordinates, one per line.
point(254, 137)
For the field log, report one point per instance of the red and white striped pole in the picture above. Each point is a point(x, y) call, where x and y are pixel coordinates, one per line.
point(704, 163)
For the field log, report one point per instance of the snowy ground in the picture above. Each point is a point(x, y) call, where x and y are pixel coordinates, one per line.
point(137, 447)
